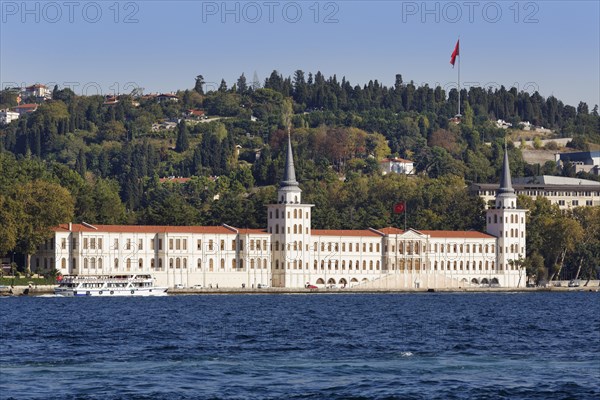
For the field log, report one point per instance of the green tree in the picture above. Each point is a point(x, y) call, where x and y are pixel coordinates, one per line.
point(183, 140)
point(44, 205)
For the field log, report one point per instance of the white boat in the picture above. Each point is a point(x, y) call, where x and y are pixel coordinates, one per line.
point(109, 285)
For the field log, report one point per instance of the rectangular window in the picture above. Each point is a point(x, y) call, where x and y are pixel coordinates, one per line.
point(63, 243)
point(241, 245)
point(233, 245)
point(74, 243)
point(222, 245)
point(185, 244)
point(140, 244)
point(93, 243)
point(160, 244)
point(100, 243)
point(152, 244)
point(85, 243)
point(128, 245)
point(177, 244)
point(116, 244)
point(170, 244)
point(210, 244)
point(199, 244)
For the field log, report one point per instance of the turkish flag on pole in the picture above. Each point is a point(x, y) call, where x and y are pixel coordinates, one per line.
point(455, 53)
point(399, 208)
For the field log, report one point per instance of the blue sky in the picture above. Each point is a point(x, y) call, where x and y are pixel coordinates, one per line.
point(551, 46)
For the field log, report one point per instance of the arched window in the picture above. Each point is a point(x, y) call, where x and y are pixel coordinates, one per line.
point(296, 199)
point(233, 263)
point(377, 265)
point(295, 214)
point(116, 263)
point(152, 263)
point(350, 264)
point(99, 263)
point(178, 263)
point(184, 262)
point(322, 264)
point(329, 264)
point(315, 265)
point(295, 228)
point(141, 263)
point(222, 263)
point(85, 263)
point(211, 265)
point(93, 263)
point(300, 228)
point(276, 264)
point(364, 265)
point(336, 265)
point(160, 263)
point(343, 264)
point(63, 263)
point(435, 265)
point(251, 263)
point(129, 264)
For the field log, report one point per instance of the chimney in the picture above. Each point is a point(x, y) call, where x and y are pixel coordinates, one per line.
point(70, 226)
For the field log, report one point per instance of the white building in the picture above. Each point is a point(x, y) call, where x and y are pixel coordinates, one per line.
point(289, 253)
point(39, 91)
point(397, 166)
point(563, 191)
point(7, 116)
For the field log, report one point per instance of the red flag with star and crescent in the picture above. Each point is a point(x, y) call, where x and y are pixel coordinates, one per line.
point(399, 208)
point(455, 53)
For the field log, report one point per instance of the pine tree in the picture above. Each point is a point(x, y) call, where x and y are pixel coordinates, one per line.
point(183, 140)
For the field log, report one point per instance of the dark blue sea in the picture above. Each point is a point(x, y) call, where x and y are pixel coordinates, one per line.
point(319, 346)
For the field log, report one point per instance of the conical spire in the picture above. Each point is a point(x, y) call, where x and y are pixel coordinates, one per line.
point(289, 175)
point(505, 181)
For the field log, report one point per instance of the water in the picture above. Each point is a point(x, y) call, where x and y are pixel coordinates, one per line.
point(354, 346)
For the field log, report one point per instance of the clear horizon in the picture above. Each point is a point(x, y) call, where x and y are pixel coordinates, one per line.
point(106, 46)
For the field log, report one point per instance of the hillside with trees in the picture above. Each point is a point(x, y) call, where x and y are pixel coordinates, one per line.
point(101, 160)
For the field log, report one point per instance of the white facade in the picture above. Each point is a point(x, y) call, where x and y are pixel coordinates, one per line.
point(7, 116)
point(289, 253)
point(397, 166)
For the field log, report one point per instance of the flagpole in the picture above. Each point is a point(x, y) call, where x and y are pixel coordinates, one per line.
point(459, 57)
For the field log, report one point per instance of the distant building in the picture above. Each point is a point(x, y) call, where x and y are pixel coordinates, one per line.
point(566, 192)
point(7, 116)
point(164, 126)
point(584, 161)
point(167, 97)
point(110, 100)
point(397, 166)
point(39, 91)
point(25, 108)
point(195, 114)
point(503, 124)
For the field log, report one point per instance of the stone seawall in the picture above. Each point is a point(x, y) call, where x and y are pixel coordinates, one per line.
point(592, 286)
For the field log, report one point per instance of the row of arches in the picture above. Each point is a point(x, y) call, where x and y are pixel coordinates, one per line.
point(459, 266)
point(341, 281)
point(483, 281)
point(335, 265)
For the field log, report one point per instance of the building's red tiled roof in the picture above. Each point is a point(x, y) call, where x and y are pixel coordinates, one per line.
point(27, 106)
point(400, 160)
point(197, 113)
point(246, 231)
point(145, 229)
point(458, 234)
point(340, 232)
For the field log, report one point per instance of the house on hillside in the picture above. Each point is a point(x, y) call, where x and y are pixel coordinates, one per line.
point(25, 108)
point(397, 166)
point(584, 161)
point(167, 97)
point(7, 116)
point(38, 91)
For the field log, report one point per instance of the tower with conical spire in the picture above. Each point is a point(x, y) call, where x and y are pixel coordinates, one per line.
point(507, 223)
point(289, 223)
